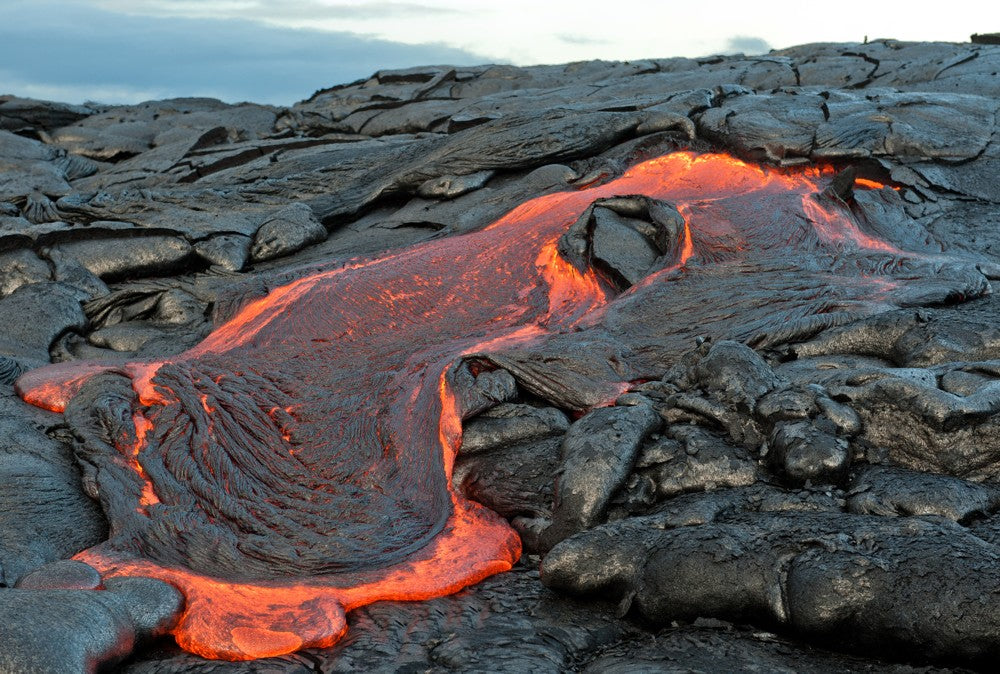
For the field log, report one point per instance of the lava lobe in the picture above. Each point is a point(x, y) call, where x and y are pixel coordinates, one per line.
point(297, 463)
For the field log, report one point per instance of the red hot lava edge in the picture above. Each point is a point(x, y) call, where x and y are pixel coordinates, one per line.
point(503, 286)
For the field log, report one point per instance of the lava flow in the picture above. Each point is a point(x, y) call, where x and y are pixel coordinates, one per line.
point(296, 464)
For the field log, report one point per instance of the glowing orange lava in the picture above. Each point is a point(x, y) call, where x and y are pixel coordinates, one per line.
point(351, 367)
point(871, 184)
point(53, 386)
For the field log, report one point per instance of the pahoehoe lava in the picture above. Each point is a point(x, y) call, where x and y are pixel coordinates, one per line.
point(297, 463)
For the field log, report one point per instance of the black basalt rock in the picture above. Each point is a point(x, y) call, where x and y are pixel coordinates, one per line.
point(625, 238)
point(50, 631)
point(53, 308)
point(598, 452)
point(285, 232)
point(837, 577)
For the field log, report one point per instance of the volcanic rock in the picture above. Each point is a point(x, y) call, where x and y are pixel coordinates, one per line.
point(598, 452)
point(65, 574)
point(285, 232)
point(82, 630)
point(19, 268)
point(228, 251)
point(755, 567)
point(45, 516)
point(511, 424)
point(130, 256)
point(691, 458)
point(53, 307)
point(28, 116)
point(891, 492)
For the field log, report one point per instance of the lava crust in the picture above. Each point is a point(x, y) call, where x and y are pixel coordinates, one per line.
point(297, 463)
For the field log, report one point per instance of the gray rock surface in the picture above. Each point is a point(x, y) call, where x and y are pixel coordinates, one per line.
point(50, 631)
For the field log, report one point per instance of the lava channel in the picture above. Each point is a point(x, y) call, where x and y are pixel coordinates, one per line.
point(296, 464)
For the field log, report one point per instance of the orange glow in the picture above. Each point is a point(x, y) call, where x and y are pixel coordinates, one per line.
point(142, 427)
point(838, 229)
point(142, 382)
point(568, 289)
point(687, 244)
point(450, 427)
point(687, 250)
point(53, 386)
point(372, 343)
point(871, 184)
point(242, 621)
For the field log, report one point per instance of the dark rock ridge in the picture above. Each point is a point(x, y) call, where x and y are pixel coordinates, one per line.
point(774, 489)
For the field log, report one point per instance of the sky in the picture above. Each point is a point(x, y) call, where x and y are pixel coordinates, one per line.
point(281, 51)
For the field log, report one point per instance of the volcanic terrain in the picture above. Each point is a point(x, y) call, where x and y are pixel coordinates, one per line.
point(666, 365)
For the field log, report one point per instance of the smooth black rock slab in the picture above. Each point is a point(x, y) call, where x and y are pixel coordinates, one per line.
point(422, 217)
point(27, 115)
point(897, 492)
point(124, 131)
point(128, 256)
point(518, 142)
point(888, 585)
point(907, 66)
point(192, 214)
point(70, 271)
point(598, 453)
point(19, 268)
point(285, 232)
point(228, 251)
point(900, 125)
point(449, 187)
point(64, 574)
point(511, 424)
point(29, 166)
point(53, 308)
point(478, 390)
point(775, 127)
point(625, 238)
point(691, 458)
point(57, 631)
point(44, 514)
point(847, 125)
point(567, 379)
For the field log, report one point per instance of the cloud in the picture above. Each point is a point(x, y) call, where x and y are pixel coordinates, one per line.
point(744, 44)
point(71, 52)
point(582, 40)
point(284, 12)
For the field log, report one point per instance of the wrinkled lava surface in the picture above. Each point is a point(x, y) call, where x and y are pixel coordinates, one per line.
point(296, 464)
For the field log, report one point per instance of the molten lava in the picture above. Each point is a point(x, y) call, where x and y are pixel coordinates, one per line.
point(297, 463)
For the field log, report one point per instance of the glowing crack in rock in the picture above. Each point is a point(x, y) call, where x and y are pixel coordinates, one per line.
point(296, 464)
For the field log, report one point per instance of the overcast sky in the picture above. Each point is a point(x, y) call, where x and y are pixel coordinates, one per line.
point(280, 51)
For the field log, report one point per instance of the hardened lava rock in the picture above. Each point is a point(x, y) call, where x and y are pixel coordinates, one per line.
point(851, 579)
point(46, 631)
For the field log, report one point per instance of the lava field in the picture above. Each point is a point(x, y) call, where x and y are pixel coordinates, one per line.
point(664, 365)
